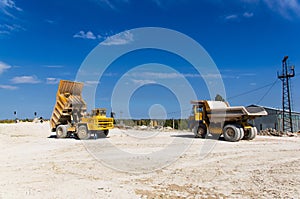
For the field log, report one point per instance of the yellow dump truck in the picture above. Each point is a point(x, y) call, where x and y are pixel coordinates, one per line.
point(69, 115)
point(218, 118)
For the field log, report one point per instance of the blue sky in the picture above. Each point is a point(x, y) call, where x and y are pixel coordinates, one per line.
point(44, 41)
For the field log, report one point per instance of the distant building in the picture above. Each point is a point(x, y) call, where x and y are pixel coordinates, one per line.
point(274, 119)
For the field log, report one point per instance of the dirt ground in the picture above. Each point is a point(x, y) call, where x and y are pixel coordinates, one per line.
point(133, 164)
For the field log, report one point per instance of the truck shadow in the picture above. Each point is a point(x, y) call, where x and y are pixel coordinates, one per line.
point(210, 137)
point(52, 136)
point(76, 138)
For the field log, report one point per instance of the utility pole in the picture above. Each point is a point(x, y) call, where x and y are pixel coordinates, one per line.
point(173, 123)
point(287, 73)
point(15, 114)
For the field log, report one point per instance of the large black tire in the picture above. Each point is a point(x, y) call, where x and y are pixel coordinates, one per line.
point(254, 133)
point(242, 133)
point(82, 133)
point(102, 134)
point(250, 134)
point(200, 131)
point(247, 134)
point(61, 131)
point(106, 132)
point(231, 133)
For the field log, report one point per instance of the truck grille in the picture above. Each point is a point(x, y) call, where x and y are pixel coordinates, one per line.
point(105, 123)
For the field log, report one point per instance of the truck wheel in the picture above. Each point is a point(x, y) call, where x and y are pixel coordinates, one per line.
point(102, 134)
point(201, 131)
point(231, 133)
point(254, 130)
point(105, 132)
point(83, 133)
point(242, 133)
point(251, 134)
point(61, 131)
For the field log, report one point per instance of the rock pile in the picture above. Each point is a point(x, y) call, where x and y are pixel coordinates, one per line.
point(270, 132)
point(274, 132)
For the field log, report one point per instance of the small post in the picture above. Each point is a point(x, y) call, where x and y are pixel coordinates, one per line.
point(15, 114)
point(173, 123)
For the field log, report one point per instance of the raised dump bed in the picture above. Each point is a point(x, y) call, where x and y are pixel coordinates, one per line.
point(69, 114)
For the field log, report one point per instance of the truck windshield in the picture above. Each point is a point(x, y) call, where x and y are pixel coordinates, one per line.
point(199, 109)
point(98, 112)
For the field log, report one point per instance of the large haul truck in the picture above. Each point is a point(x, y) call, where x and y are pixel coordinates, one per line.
point(69, 115)
point(218, 118)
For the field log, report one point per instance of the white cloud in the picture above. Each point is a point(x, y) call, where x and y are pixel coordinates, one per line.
point(250, 1)
point(155, 75)
point(115, 4)
point(112, 4)
point(8, 87)
point(248, 14)
point(191, 75)
point(159, 75)
point(52, 80)
point(106, 3)
point(25, 80)
point(157, 2)
point(4, 32)
point(6, 29)
point(231, 17)
point(50, 21)
point(143, 81)
point(54, 66)
point(11, 27)
point(110, 74)
point(248, 74)
point(4, 67)
point(237, 17)
point(9, 4)
point(119, 39)
point(286, 8)
point(8, 10)
point(85, 35)
point(91, 82)
point(213, 76)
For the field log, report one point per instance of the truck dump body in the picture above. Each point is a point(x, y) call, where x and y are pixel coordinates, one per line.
point(68, 103)
point(218, 110)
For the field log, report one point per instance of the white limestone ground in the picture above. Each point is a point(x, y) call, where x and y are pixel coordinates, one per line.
point(142, 164)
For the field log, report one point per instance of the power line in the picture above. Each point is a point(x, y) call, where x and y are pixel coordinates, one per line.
point(251, 91)
point(267, 91)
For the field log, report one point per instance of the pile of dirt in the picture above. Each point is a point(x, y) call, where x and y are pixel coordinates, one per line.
point(274, 132)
